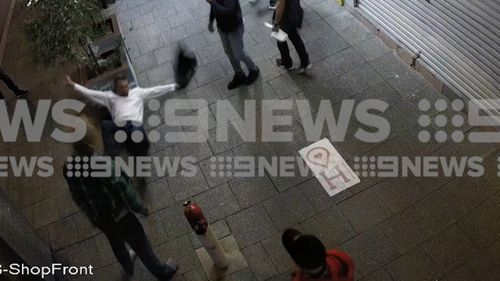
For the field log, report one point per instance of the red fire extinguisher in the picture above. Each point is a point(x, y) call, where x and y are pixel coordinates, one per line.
point(204, 232)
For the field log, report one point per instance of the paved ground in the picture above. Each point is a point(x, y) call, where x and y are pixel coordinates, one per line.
point(404, 229)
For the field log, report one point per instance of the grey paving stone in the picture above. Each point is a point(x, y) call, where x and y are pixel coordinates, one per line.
point(145, 62)
point(174, 221)
point(181, 251)
point(65, 204)
point(315, 30)
point(154, 228)
point(327, 9)
point(370, 251)
point(218, 203)
point(408, 83)
point(250, 191)
point(183, 187)
point(364, 210)
point(251, 225)
point(288, 208)
point(211, 53)
point(208, 92)
point(345, 61)
point(372, 48)
point(208, 73)
point(219, 143)
point(161, 75)
point(165, 53)
point(380, 275)
point(340, 20)
point(450, 249)
point(197, 274)
point(158, 195)
point(259, 261)
point(400, 193)
point(195, 145)
point(490, 167)
point(442, 207)
point(481, 225)
point(284, 86)
point(416, 265)
point(355, 32)
point(278, 254)
point(242, 275)
point(407, 229)
point(389, 66)
point(213, 173)
point(317, 196)
point(330, 227)
point(173, 35)
point(45, 212)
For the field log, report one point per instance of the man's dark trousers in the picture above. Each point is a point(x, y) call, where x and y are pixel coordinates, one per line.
point(129, 230)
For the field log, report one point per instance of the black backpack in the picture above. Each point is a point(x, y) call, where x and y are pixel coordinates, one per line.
point(185, 66)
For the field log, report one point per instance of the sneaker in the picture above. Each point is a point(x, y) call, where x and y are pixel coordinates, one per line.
point(252, 76)
point(302, 69)
point(280, 63)
point(272, 6)
point(133, 255)
point(23, 94)
point(238, 79)
point(171, 268)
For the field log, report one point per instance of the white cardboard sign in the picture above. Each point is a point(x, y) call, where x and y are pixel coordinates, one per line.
point(331, 170)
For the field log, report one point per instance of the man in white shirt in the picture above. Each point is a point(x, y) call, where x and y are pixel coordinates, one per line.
point(127, 110)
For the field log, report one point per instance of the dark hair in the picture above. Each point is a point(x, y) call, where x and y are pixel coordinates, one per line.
point(307, 251)
point(118, 78)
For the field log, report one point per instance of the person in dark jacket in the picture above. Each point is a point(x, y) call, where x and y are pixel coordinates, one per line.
point(231, 29)
point(288, 17)
point(110, 203)
point(314, 261)
point(11, 85)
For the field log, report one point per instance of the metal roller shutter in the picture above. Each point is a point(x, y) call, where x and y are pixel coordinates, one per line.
point(457, 40)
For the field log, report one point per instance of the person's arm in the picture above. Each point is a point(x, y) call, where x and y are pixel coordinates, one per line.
point(211, 20)
point(280, 10)
point(129, 194)
point(149, 93)
point(96, 96)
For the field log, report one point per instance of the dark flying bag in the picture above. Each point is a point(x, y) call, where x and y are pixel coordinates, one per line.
point(185, 66)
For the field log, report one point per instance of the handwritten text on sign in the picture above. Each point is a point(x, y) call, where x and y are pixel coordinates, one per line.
point(329, 167)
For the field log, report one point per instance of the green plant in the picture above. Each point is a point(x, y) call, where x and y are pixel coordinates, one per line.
point(63, 30)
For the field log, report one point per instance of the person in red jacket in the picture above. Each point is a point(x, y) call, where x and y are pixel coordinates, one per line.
point(314, 261)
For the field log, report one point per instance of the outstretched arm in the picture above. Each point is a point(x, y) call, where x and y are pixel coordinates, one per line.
point(149, 93)
point(96, 96)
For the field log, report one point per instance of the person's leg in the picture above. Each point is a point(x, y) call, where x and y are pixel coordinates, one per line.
point(139, 242)
point(297, 42)
point(235, 63)
point(11, 84)
point(120, 251)
point(111, 147)
point(1, 96)
point(286, 60)
point(238, 48)
point(137, 141)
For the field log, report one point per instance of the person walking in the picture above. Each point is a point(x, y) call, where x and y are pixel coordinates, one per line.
point(231, 29)
point(314, 261)
point(127, 110)
point(110, 203)
point(288, 17)
point(11, 85)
